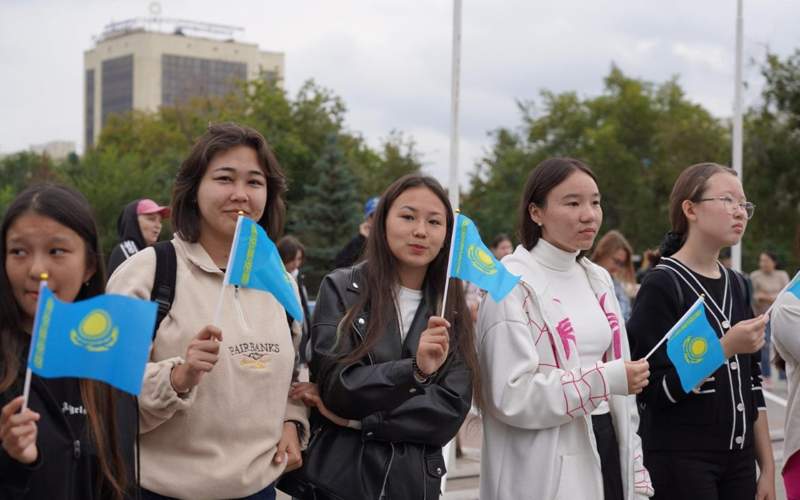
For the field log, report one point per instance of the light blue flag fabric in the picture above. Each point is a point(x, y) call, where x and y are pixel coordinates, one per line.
point(694, 348)
point(472, 261)
point(256, 263)
point(104, 338)
point(794, 285)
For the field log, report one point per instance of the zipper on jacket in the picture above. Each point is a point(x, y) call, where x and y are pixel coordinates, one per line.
point(424, 478)
point(238, 307)
point(386, 476)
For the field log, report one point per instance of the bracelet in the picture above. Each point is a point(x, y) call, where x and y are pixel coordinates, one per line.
point(419, 374)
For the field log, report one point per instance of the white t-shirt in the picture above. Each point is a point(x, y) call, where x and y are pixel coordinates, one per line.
point(570, 285)
point(407, 303)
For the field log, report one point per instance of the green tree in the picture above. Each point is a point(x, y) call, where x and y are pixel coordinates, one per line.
point(21, 170)
point(329, 214)
point(771, 169)
point(636, 135)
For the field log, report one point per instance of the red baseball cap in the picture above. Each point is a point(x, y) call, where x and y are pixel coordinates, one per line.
point(148, 206)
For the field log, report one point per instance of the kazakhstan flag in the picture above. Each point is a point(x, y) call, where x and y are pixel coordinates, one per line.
point(256, 263)
point(472, 261)
point(104, 338)
point(693, 347)
point(794, 285)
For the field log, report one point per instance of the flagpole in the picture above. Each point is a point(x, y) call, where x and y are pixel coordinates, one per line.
point(736, 250)
point(669, 333)
point(450, 261)
point(455, 77)
point(225, 280)
point(28, 374)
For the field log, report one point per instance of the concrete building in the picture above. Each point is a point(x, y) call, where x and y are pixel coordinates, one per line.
point(145, 63)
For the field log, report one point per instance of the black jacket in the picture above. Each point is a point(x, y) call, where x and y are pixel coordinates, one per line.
point(718, 415)
point(404, 423)
point(67, 467)
point(130, 237)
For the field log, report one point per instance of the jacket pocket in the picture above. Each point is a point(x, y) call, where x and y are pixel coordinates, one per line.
point(434, 471)
point(577, 478)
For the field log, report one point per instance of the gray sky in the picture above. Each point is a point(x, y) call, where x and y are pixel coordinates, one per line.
point(390, 60)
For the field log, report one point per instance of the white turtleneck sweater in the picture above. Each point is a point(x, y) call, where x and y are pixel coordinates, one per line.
point(570, 285)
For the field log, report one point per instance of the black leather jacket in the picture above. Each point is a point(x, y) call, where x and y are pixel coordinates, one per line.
point(404, 423)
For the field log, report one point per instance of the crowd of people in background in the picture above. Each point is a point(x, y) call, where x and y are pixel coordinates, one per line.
point(357, 400)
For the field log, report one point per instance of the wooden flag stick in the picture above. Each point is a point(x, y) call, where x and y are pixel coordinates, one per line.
point(450, 261)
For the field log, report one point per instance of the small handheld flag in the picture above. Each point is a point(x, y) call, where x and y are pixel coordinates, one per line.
point(105, 338)
point(471, 261)
point(256, 263)
point(693, 347)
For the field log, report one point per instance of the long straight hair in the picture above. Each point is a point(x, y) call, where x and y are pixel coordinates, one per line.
point(382, 279)
point(70, 209)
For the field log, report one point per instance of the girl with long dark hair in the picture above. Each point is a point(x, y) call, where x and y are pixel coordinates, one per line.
point(76, 439)
point(704, 443)
point(395, 379)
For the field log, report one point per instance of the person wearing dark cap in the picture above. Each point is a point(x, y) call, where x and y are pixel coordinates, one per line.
point(352, 252)
point(138, 226)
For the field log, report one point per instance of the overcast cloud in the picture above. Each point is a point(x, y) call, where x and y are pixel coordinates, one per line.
point(390, 60)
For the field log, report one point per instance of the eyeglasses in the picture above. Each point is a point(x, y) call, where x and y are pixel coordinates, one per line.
point(731, 205)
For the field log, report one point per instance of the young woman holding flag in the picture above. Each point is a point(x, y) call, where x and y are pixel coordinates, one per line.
point(558, 421)
point(216, 418)
point(75, 441)
point(704, 443)
point(395, 375)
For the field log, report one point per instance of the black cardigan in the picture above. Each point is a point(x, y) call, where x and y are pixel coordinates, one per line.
point(719, 413)
point(67, 467)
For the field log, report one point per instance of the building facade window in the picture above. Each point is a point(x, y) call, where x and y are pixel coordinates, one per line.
point(89, 109)
point(117, 86)
point(185, 77)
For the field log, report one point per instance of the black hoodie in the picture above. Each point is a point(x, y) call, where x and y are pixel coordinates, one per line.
point(67, 467)
point(130, 237)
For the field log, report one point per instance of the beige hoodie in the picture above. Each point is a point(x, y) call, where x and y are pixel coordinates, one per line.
point(218, 440)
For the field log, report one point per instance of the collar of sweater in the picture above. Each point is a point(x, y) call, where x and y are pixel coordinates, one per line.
point(552, 257)
point(197, 255)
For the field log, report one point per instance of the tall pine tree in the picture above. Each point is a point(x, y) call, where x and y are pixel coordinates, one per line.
point(329, 214)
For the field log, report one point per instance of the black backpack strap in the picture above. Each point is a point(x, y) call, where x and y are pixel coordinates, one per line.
point(163, 292)
point(673, 274)
point(744, 285)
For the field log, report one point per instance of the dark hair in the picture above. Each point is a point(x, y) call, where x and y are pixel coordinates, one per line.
point(543, 179)
point(690, 185)
point(774, 257)
point(610, 243)
point(382, 277)
point(69, 208)
point(219, 138)
point(499, 239)
point(288, 246)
